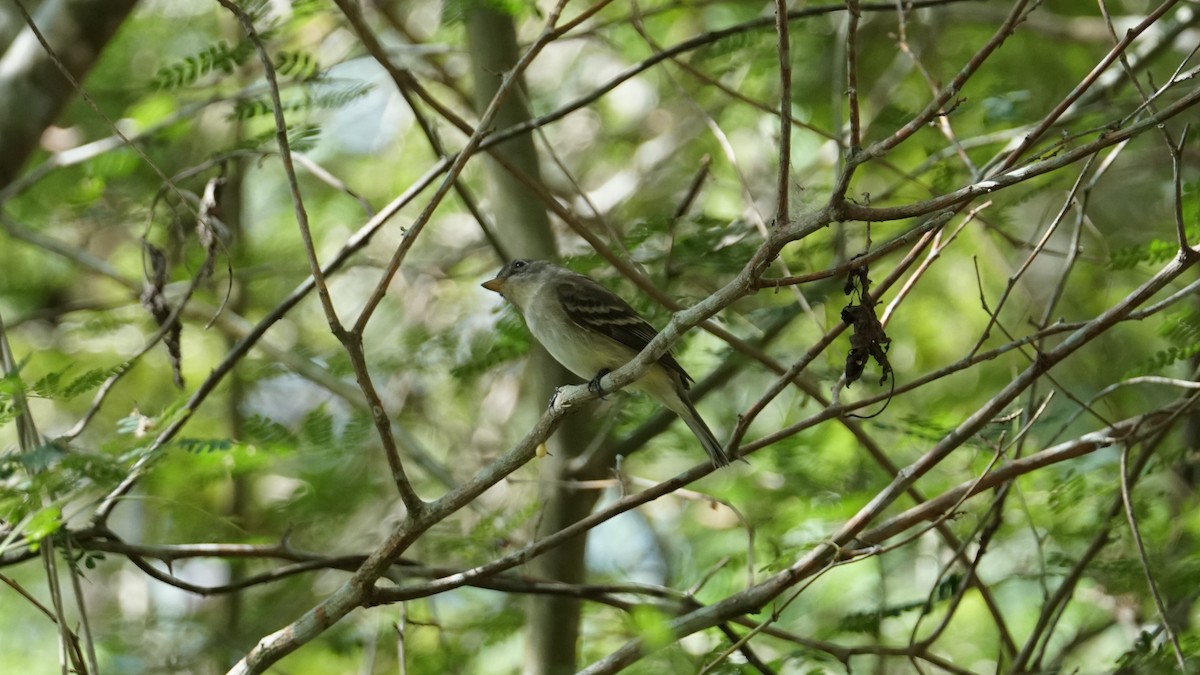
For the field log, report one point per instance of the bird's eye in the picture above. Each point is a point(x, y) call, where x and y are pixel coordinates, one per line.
point(518, 264)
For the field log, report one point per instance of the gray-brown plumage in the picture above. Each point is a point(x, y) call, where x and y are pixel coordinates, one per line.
point(590, 330)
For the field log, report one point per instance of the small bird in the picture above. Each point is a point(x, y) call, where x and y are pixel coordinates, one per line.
point(592, 332)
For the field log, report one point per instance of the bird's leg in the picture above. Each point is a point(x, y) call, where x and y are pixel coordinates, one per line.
point(594, 384)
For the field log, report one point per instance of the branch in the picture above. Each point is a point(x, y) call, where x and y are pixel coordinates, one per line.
point(818, 559)
point(850, 211)
point(783, 181)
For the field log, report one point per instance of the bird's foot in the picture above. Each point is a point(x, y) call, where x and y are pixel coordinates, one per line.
point(554, 397)
point(594, 384)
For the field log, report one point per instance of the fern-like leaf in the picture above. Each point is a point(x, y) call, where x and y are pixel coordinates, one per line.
point(333, 99)
point(1164, 358)
point(299, 65)
point(190, 69)
point(317, 428)
point(267, 432)
point(868, 622)
point(57, 386)
point(340, 97)
point(199, 445)
point(301, 138)
point(509, 341)
point(1181, 328)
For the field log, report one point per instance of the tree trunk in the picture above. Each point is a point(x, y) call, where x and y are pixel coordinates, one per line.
point(521, 222)
point(33, 91)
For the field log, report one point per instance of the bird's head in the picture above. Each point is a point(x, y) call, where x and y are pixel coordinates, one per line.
point(519, 278)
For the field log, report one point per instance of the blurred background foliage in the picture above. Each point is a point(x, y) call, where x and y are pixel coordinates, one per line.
point(283, 449)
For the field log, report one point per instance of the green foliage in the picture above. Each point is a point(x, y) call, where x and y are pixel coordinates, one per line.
point(302, 9)
point(190, 69)
point(489, 534)
point(944, 178)
point(455, 11)
point(928, 430)
point(268, 433)
point(333, 97)
point(33, 460)
point(1166, 357)
point(201, 445)
point(269, 454)
point(1068, 491)
point(1151, 654)
point(55, 385)
point(88, 560)
point(327, 98)
point(11, 387)
point(44, 523)
point(719, 56)
point(510, 340)
point(31, 479)
point(245, 109)
point(804, 655)
point(299, 65)
point(357, 431)
point(1158, 250)
point(1182, 330)
point(652, 625)
point(317, 428)
point(1154, 253)
point(301, 138)
point(868, 622)
point(1005, 108)
point(218, 56)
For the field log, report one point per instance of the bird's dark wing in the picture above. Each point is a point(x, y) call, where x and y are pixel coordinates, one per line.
point(598, 309)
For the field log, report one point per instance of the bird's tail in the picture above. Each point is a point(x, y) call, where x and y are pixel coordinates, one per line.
point(716, 452)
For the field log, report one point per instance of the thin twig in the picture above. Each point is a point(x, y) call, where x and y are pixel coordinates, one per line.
point(853, 15)
point(285, 156)
point(783, 180)
point(83, 93)
point(1131, 518)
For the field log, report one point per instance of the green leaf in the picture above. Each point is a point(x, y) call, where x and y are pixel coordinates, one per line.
point(652, 625)
point(198, 445)
point(1006, 108)
point(41, 457)
point(12, 384)
point(190, 69)
point(455, 11)
point(300, 65)
point(267, 432)
point(55, 385)
point(509, 341)
point(357, 430)
point(44, 523)
point(1155, 252)
point(868, 622)
point(49, 385)
point(89, 381)
point(1164, 358)
point(317, 428)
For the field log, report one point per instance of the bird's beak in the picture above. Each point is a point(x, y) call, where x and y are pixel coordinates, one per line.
point(496, 284)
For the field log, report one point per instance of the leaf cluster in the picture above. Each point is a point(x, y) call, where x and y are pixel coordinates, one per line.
point(1182, 330)
point(330, 98)
point(868, 622)
point(188, 70)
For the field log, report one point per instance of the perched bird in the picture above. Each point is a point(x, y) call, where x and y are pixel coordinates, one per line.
point(591, 331)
